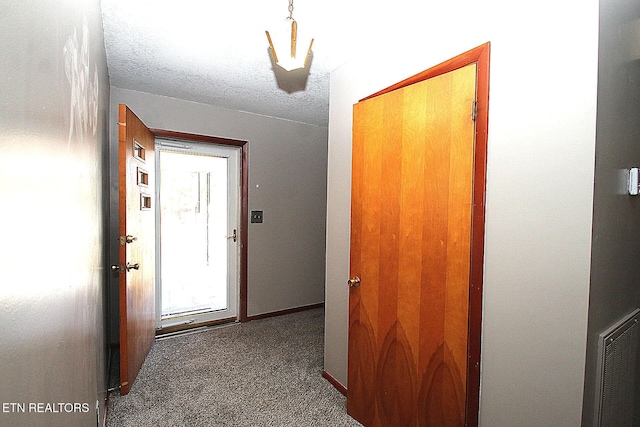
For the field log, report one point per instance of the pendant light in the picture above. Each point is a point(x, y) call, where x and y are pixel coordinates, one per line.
point(286, 39)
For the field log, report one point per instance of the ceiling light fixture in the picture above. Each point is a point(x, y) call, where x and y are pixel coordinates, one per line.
point(288, 34)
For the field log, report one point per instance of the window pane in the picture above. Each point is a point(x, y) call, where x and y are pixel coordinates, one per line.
point(193, 228)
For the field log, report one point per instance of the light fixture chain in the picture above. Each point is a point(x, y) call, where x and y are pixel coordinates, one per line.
point(290, 61)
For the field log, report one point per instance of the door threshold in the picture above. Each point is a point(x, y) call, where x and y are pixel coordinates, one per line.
point(185, 328)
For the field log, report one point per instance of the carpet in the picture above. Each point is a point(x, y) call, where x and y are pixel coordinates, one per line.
point(261, 373)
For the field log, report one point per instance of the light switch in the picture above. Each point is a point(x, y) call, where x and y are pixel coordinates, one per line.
point(256, 216)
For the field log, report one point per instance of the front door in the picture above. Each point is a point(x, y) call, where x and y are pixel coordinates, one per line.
point(137, 244)
point(198, 233)
point(411, 232)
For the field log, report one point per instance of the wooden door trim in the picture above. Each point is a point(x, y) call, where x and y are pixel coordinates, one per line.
point(479, 55)
point(244, 202)
point(122, 250)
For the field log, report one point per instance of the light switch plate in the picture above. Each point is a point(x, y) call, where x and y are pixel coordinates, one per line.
point(633, 181)
point(256, 217)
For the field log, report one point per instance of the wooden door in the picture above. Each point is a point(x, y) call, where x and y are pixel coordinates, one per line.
point(411, 229)
point(137, 244)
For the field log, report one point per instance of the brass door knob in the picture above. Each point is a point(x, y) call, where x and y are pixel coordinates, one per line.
point(354, 282)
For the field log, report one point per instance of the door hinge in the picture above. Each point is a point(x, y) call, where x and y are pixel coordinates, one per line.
point(474, 110)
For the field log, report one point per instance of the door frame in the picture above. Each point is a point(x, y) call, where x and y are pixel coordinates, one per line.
point(244, 200)
point(479, 55)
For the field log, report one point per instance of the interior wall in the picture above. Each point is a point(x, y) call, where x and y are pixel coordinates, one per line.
point(53, 136)
point(539, 195)
point(287, 180)
point(615, 290)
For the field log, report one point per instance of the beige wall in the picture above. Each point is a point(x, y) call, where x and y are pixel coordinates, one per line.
point(54, 97)
point(541, 149)
point(287, 180)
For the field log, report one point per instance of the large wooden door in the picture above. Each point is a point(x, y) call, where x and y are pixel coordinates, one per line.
point(137, 244)
point(411, 232)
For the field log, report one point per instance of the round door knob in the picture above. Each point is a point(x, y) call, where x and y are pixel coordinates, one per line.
point(354, 282)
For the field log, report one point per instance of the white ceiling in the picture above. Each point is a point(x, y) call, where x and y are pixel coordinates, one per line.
point(217, 53)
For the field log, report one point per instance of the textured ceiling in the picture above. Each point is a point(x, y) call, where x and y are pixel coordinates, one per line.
point(217, 53)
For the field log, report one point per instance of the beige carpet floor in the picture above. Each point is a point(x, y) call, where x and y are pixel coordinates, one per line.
point(261, 373)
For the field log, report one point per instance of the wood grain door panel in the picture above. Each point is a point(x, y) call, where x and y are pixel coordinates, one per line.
point(412, 192)
point(136, 219)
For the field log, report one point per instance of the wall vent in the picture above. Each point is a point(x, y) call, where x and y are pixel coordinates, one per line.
point(618, 352)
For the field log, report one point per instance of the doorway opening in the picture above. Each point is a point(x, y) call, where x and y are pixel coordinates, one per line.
point(201, 256)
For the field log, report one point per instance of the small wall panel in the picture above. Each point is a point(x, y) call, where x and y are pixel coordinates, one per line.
point(618, 351)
